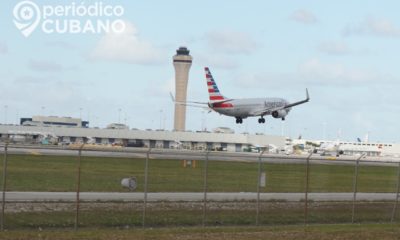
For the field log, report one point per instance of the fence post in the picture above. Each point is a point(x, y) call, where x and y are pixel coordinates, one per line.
point(205, 187)
point(146, 173)
point(397, 195)
point(3, 203)
point(306, 189)
point(355, 184)
point(78, 187)
point(258, 187)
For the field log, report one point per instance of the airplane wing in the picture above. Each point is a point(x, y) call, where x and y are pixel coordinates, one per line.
point(267, 111)
point(299, 102)
point(189, 103)
point(196, 104)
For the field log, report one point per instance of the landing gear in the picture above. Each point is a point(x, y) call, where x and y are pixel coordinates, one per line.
point(261, 120)
point(239, 120)
point(283, 119)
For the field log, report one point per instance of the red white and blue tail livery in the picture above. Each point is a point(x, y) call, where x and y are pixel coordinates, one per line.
point(213, 91)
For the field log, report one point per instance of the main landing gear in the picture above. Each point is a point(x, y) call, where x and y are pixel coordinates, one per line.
point(261, 120)
point(239, 120)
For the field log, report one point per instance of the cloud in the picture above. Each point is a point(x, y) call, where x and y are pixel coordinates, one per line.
point(126, 47)
point(61, 44)
point(217, 61)
point(334, 48)
point(3, 48)
point(303, 16)
point(44, 66)
point(373, 26)
point(28, 80)
point(231, 42)
point(335, 73)
point(314, 72)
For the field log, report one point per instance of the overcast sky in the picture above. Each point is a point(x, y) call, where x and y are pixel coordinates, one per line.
point(345, 52)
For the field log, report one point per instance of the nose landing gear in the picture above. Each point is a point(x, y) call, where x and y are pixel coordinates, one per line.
point(261, 120)
point(239, 120)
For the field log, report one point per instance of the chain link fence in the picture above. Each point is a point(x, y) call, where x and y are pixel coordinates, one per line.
point(179, 188)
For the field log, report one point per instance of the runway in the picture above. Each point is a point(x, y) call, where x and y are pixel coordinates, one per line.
point(194, 155)
point(192, 196)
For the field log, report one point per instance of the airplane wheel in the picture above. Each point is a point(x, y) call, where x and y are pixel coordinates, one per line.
point(261, 120)
point(283, 119)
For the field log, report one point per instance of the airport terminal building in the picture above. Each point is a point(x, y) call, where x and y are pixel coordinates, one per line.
point(65, 131)
point(55, 131)
point(140, 138)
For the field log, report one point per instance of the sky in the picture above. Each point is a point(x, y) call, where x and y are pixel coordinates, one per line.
point(344, 52)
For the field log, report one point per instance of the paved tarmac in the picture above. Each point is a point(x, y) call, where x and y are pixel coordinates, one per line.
point(193, 196)
point(195, 155)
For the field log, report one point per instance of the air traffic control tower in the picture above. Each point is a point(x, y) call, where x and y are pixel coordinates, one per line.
point(182, 63)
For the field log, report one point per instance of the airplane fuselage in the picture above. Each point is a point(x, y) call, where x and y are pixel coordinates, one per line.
point(248, 107)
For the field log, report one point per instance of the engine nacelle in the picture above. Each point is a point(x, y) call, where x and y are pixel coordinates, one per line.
point(279, 113)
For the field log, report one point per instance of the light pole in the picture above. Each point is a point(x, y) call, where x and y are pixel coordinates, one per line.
point(164, 118)
point(43, 108)
point(161, 113)
point(80, 113)
point(17, 118)
point(203, 121)
point(324, 130)
point(5, 114)
point(119, 115)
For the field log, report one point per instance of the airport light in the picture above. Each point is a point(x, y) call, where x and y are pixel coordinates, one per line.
point(161, 114)
point(17, 117)
point(5, 114)
point(126, 119)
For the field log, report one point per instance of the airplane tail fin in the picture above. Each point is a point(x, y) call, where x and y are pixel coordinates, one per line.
point(213, 90)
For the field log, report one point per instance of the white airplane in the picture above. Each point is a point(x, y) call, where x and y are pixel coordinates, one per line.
point(330, 149)
point(243, 108)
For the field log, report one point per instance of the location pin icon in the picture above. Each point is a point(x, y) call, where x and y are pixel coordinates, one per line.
point(26, 17)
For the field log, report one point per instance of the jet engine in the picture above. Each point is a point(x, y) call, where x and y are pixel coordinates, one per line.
point(279, 113)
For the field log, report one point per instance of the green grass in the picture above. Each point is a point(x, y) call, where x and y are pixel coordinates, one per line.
point(58, 173)
point(55, 173)
point(317, 232)
point(122, 215)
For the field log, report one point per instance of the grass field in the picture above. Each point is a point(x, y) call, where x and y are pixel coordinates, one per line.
point(55, 173)
point(313, 232)
point(181, 214)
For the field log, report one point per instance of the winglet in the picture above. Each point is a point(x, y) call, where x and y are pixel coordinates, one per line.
point(172, 96)
point(299, 102)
